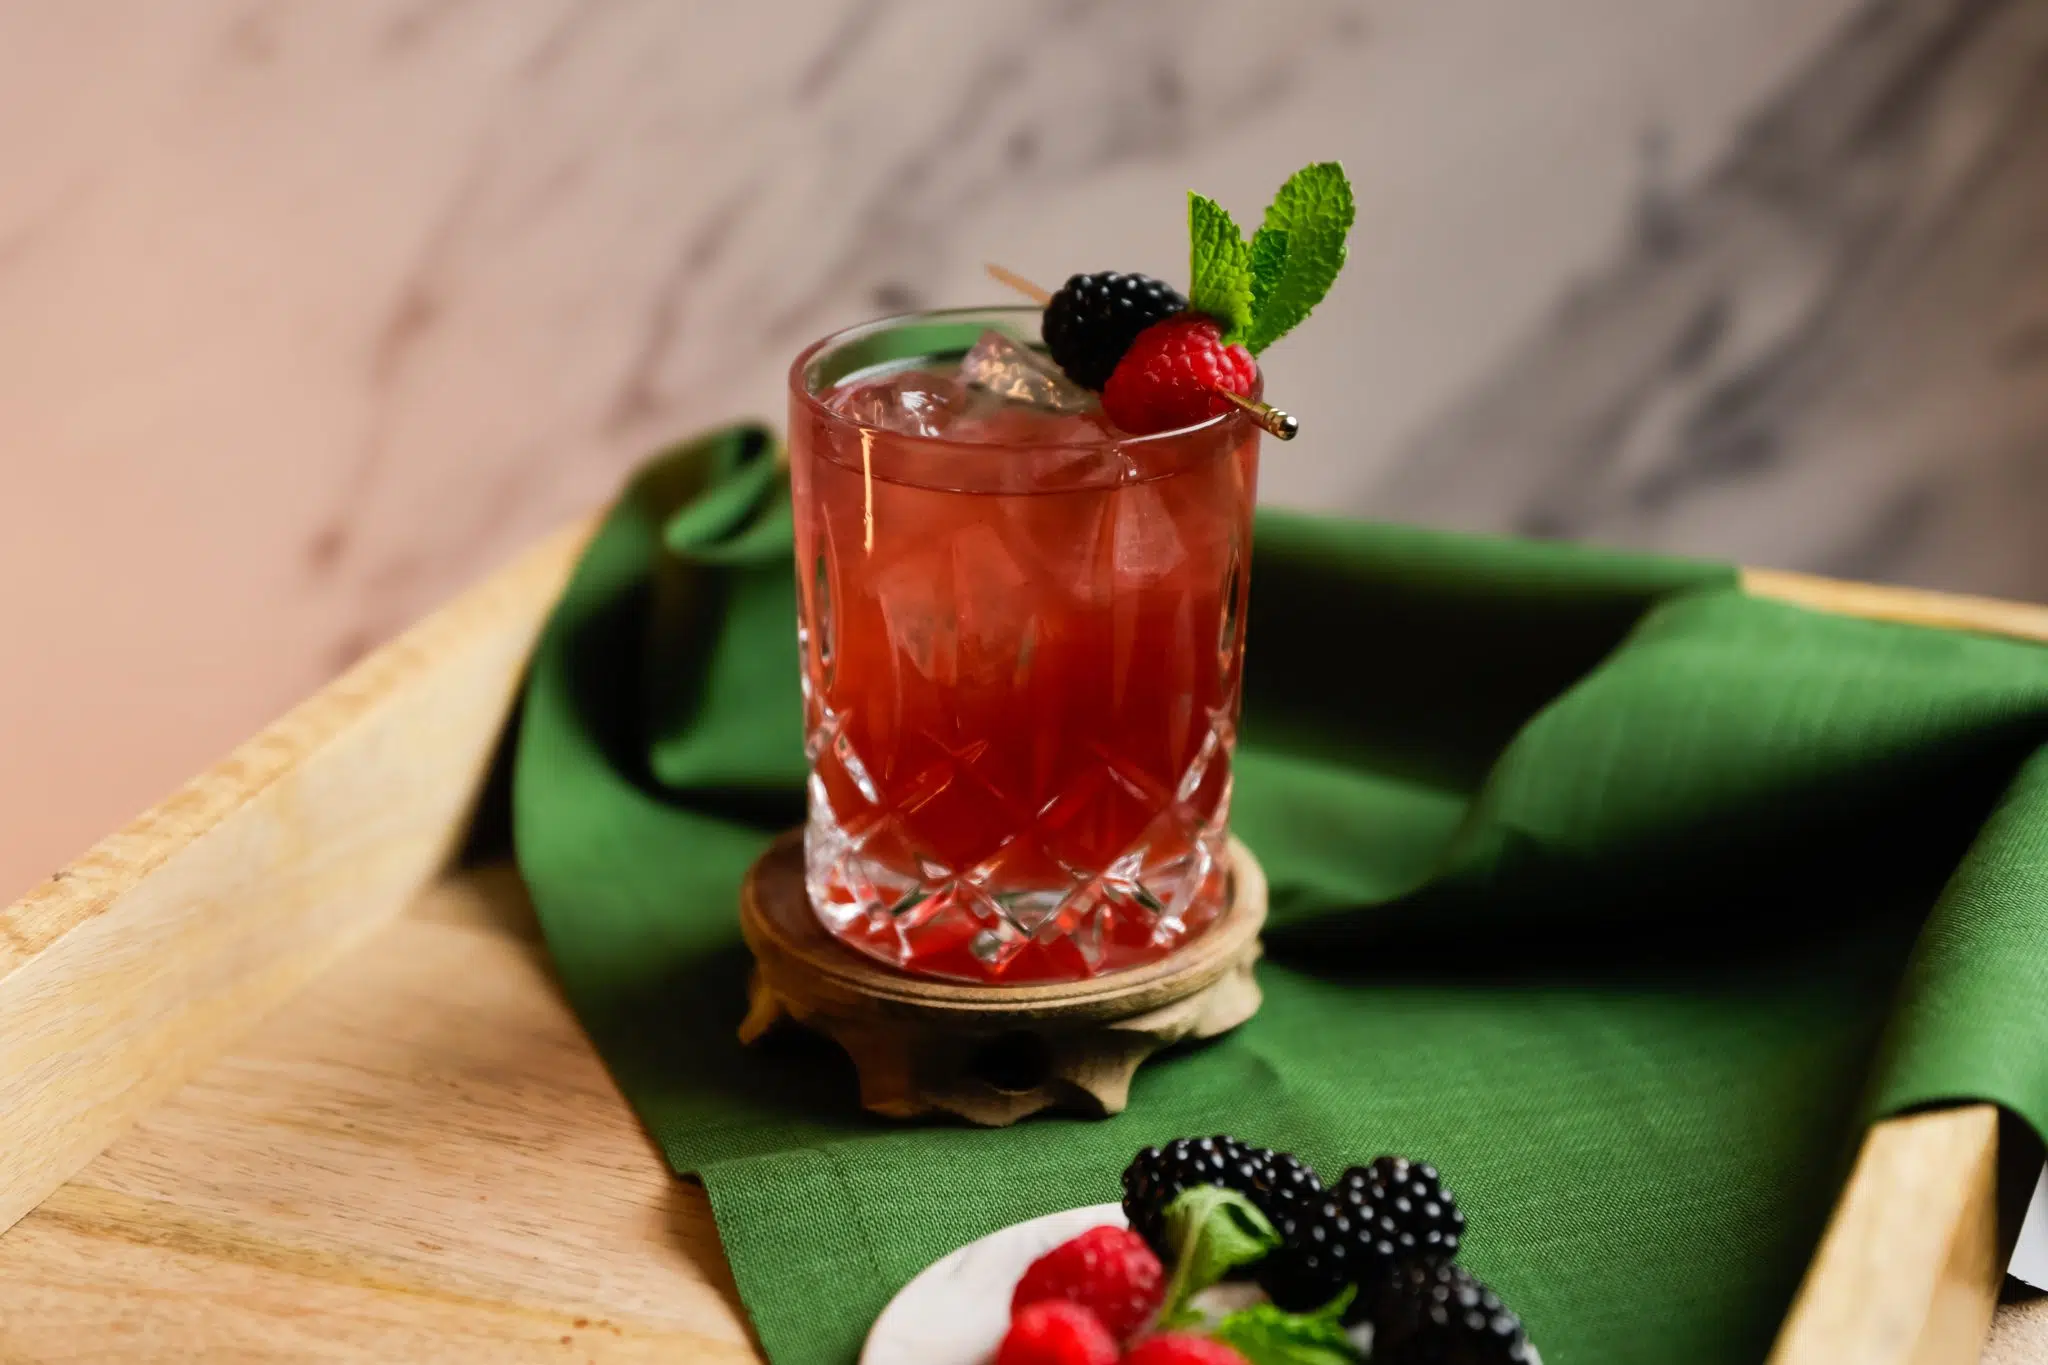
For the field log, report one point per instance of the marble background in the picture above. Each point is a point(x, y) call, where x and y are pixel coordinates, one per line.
point(313, 310)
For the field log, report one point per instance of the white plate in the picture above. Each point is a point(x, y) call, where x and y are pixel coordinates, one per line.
point(956, 1311)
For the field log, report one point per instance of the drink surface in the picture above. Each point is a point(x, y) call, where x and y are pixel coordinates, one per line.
point(1022, 642)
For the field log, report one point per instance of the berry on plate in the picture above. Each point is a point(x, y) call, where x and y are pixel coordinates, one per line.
point(1172, 374)
point(1056, 1332)
point(1440, 1314)
point(1278, 1182)
point(1181, 1348)
point(1417, 1215)
point(1366, 1264)
point(1108, 1270)
point(1371, 1222)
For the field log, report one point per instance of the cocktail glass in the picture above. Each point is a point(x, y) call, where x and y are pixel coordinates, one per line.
point(1023, 639)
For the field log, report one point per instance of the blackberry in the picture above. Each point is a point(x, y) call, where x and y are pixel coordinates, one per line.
point(1093, 320)
point(1367, 1224)
point(1278, 1182)
point(1416, 1212)
point(1440, 1314)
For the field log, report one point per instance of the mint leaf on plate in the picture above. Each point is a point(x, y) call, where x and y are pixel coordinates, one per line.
point(1314, 210)
point(1219, 267)
point(1266, 1334)
point(1212, 1231)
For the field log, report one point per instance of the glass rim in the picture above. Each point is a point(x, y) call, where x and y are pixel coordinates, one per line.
point(847, 335)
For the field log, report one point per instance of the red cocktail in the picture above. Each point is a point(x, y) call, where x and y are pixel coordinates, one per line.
point(1022, 641)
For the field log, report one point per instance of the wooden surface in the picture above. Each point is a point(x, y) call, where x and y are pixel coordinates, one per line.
point(170, 938)
point(1910, 606)
point(2019, 1332)
point(1909, 1269)
point(418, 1159)
point(992, 1054)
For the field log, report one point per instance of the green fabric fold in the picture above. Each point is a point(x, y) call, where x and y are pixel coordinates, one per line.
point(1625, 898)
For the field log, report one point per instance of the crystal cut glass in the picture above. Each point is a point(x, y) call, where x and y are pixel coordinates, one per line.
point(1023, 637)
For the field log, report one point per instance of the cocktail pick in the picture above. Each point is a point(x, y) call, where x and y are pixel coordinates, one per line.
point(1003, 275)
point(1270, 419)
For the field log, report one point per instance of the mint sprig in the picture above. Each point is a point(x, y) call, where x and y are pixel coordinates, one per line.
point(1268, 258)
point(1262, 289)
point(1266, 1334)
point(1212, 1231)
point(1219, 268)
point(1314, 210)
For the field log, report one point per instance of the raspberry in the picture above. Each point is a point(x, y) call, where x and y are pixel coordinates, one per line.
point(1169, 376)
point(1093, 319)
point(1109, 1271)
point(1057, 1332)
point(1180, 1348)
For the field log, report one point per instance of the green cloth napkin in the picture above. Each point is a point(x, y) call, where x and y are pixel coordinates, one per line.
point(1623, 897)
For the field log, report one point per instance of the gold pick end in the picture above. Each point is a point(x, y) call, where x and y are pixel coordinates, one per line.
point(1273, 421)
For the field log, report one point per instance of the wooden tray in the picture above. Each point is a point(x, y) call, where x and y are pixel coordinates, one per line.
point(284, 1075)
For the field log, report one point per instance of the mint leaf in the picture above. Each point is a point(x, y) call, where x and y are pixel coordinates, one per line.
point(1219, 267)
point(1269, 252)
point(1212, 1231)
point(1315, 210)
point(1266, 1334)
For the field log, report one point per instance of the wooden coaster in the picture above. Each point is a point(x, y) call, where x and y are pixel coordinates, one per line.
point(991, 1054)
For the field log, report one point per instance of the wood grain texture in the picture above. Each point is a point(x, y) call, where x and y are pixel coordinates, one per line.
point(2019, 1333)
point(142, 960)
point(1908, 606)
point(1908, 1271)
point(419, 1158)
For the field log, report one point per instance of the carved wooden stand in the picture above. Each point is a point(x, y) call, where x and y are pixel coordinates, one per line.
point(991, 1054)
